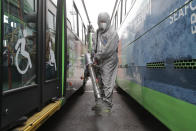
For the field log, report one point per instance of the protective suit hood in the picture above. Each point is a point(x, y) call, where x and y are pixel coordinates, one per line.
point(103, 21)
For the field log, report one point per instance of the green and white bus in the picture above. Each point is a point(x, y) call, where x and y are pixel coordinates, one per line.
point(41, 56)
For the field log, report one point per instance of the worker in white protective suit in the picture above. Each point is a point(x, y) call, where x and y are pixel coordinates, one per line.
point(105, 52)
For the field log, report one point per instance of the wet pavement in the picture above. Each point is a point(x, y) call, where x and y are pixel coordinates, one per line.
point(126, 115)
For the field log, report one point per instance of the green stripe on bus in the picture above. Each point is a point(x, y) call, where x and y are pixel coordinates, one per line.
point(176, 114)
point(63, 51)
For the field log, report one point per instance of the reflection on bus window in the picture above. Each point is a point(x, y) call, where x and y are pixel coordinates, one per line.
point(19, 43)
point(51, 63)
point(51, 20)
point(55, 2)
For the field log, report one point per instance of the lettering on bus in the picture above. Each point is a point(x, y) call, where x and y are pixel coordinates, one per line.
point(177, 14)
point(141, 16)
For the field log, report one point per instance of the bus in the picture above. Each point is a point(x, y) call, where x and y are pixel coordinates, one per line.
point(157, 57)
point(42, 49)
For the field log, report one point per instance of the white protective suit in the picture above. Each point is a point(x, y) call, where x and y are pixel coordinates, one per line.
point(106, 54)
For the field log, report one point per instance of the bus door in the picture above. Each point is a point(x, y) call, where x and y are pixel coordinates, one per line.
point(20, 89)
point(50, 65)
point(54, 60)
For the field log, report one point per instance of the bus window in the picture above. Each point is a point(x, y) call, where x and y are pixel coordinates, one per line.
point(129, 4)
point(54, 2)
point(74, 13)
point(125, 7)
point(84, 35)
point(80, 28)
point(51, 21)
point(19, 43)
point(77, 19)
point(50, 58)
point(69, 25)
point(116, 20)
point(119, 13)
point(113, 22)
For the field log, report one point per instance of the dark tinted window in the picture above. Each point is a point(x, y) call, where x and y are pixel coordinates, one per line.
point(19, 43)
point(50, 58)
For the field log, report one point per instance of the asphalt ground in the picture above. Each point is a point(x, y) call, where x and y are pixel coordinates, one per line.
point(126, 115)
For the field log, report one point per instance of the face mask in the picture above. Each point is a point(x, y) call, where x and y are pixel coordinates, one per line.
point(102, 26)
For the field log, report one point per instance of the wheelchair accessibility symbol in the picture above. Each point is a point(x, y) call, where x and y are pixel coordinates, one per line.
point(20, 47)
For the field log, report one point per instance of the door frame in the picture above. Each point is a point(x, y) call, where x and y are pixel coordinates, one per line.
point(1, 58)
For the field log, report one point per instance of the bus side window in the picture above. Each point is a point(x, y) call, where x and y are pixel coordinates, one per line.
point(69, 25)
point(119, 14)
point(123, 9)
point(19, 43)
point(84, 34)
point(50, 59)
point(116, 20)
point(129, 4)
point(76, 20)
point(80, 27)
